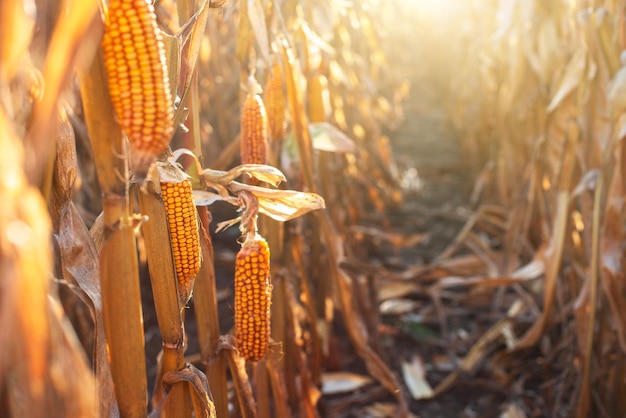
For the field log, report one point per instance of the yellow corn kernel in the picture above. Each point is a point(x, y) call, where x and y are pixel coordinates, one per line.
point(184, 235)
point(253, 294)
point(319, 101)
point(138, 82)
point(253, 130)
point(275, 103)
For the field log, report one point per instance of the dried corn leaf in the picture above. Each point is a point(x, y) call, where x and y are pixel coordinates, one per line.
point(571, 79)
point(282, 205)
point(414, 375)
point(393, 289)
point(245, 34)
point(241, 381)
point(172, 46)
point(188, 40)
point(265, 173)
point(356, 328)
point(204, 198)
point(257, 22)
point(553, 257)
point(481, 348)
point(616, 93)
point(397, 306)
point(334, 383)
point(200, 395)
point(81, 268)
point(327, 137)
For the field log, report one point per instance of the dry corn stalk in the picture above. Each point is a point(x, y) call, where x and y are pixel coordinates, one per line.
point(275, 103)
point(253, 126)
point(138, 83)
point(319, 107)
point(176, 192)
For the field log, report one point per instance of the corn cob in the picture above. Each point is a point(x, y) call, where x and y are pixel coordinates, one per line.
point(253, 127)
point(275, 103)
point(184, 235)
point(253, 293)
point(134, 58)
point(319, 107)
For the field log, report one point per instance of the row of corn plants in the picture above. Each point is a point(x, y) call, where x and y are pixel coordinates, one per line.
point(100, 102)
point(538, 99)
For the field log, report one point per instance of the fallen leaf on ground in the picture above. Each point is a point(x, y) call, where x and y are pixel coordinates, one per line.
point(342, 382)
point(397, 306)
point(513, 411)
point(414, 375)
point(392, 290)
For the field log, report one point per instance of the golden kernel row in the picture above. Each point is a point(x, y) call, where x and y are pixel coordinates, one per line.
point(253, 131)
point(253, 292)
point(184, 235)
point(138, 82)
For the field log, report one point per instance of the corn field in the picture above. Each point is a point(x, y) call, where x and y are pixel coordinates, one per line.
point(293, 208)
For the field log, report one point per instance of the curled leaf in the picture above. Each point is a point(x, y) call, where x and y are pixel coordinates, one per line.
point(204, 198)
point(200, 395)
point(342, 382)
point(397, 306)
point(282, 205)
point(259, 28)
point(184, 151)
point(327, 137)
point(414, 375)
point(170, 172)
point(227, 224)
point(265, 173)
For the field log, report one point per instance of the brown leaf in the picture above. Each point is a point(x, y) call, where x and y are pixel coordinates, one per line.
point(65, 170)
point(354, 322)
point(572, 77)
point(397, 306)
point(394, 289)
point(200, 395)
point(481, 348)
point(80, 268)
point(414, 375)
point(327, 137)
point(257, 23)
point(188, 39)
point(342, 382)
point(265, 173)
point(282, 205)
point(204, 198)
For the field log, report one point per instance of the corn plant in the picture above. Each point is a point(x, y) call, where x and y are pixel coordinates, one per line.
point(130, 86)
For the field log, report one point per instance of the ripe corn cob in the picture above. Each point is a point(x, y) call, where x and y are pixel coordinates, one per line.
point(319, 106)
point(184, 235)
point(253, 128)
point(253, 293)
point(275, 103)
point(138, 82)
